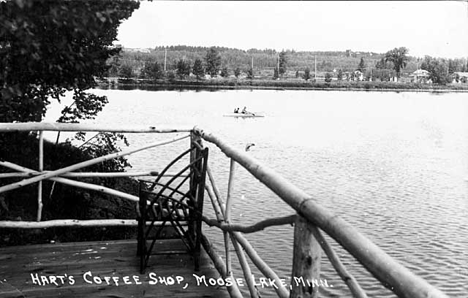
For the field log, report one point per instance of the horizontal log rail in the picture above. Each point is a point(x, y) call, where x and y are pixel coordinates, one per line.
point(86, 174)
point(60, 223)
point(73, 127)
point(310, 219)
point(54, 223)
point(131, 222)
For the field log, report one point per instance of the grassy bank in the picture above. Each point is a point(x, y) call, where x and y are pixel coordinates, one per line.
point(283, 85)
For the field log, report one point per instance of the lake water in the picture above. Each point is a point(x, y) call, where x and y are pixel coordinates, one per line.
point(394, 165)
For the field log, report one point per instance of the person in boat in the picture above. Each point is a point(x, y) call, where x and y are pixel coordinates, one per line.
point(244, 111)
point(236, 110)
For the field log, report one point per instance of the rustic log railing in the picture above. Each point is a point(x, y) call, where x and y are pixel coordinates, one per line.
point(309, 218)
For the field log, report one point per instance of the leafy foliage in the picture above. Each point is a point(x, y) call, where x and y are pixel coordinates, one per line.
point(224, 72)
point(384, 74)
point(113, 66)
point(399, 58)
point(362, 65)
point(340, 75)
point(48, 47)
point(250, 73)
point(84, 106)
point(171, 76)
point(275, 73)
point(153, 71)
point(237, 72)
point(213, 62)
point(126, 71)
point(438, 70)
point(283, 62)
point(102, 144)
point(198, 69)
point(306, 75)
point(264, 60)
point(382, 64)
point(183, 68)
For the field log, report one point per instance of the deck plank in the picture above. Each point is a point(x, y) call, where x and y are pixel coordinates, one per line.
point(22, 266)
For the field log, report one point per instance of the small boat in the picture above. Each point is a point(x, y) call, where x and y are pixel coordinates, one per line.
point(246, 115)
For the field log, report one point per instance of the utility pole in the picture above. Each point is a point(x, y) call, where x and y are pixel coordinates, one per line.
point(315, 66)
point(277, 66)
point(165, 59)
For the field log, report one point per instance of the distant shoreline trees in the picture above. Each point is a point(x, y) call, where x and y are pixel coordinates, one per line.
point(399, 58)
point(198, 69)
point(267, 63)
point(153, 71)
point(250, 74)
point(183, 68)
point(283, 63)
point(438, 71)
point(306, 75)
point(237, 72)
point(362, 65)
point(213, 62)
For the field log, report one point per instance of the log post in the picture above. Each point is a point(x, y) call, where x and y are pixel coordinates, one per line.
point(306, 261)
point(196, 179)
point(245, 267)
point(227, 213)
point(41, 168)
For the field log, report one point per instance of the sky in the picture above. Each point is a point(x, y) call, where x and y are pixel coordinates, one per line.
point(435, 28)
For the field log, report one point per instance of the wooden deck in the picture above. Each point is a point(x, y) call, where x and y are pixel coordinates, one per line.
point(101, 269)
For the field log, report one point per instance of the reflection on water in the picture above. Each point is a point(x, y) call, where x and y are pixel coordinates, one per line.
point(392, 164)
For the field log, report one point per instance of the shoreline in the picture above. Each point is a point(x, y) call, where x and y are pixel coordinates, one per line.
point(280, 86)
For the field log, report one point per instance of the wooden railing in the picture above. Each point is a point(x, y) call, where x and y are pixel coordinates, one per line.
point(309, 218)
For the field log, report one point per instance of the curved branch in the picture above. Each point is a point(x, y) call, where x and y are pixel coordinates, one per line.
point(278, 221)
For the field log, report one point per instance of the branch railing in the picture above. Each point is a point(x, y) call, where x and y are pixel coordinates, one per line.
point(310, 220)
point(62, 175)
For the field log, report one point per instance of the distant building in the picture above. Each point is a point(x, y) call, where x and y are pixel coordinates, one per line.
point(420, 76)
point(460, 77)
point(137, 50)
point(358, 75)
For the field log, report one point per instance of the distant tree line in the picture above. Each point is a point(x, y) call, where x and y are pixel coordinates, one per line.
point(235, 58)
point(183, 61)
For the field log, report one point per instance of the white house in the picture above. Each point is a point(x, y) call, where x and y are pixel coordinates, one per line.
point(460, 77)
point(420, 76)
point(358, 75)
